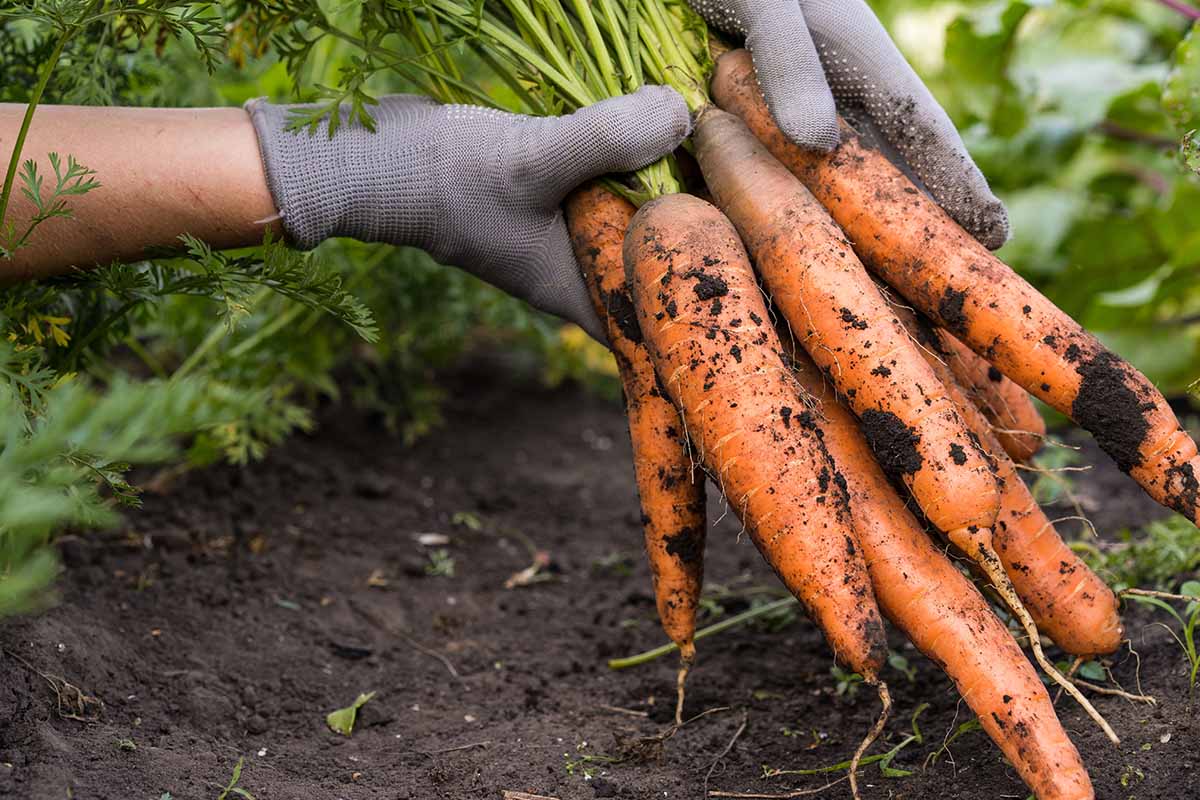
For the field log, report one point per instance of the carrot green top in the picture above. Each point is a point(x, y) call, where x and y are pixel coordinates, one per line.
point(557, 56)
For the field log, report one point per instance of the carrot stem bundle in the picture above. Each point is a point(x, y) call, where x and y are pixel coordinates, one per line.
point(670, 487)
point(906, 239)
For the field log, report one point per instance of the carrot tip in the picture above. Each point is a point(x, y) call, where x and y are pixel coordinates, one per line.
point(885, 699)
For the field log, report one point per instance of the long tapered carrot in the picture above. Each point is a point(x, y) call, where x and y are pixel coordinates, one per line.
point(841, 320)
point(1069, 602)
point(706, 327)
point(945, 616)
point(670, 487)
point(906, 239)
point(1009, 409)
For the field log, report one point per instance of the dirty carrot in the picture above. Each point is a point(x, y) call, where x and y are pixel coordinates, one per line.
point(1015, 420)
point(707, 331)
point(946, 617)
point(670, 486)
point(838, 316)
point(1069, 602)
point(906, 239)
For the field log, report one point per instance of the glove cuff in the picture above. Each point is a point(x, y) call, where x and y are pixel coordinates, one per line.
point(364, 184)
point(297, 176)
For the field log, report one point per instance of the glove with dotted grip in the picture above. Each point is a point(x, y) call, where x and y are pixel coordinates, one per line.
point(815, 58)
point(477, 188)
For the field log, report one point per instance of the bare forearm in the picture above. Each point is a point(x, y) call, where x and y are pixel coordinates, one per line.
point(163, 173)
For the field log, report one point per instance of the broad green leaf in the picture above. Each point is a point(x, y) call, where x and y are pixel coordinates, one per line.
point(1032, 158)
point(1139, 112)
point(1167, 359)
point(1181, 90)
point(1138, 294)
point(342, 720)
point(979, 46)
point(1041, 218)
point(1174, 223)
point(1189, 151)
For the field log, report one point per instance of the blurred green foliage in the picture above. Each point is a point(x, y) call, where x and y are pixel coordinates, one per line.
point(1076, 111)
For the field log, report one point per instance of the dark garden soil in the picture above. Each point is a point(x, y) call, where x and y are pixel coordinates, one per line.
point(231, 614)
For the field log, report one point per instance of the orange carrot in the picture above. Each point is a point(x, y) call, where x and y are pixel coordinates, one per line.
point(906, 239)
point(707, 331)
point(945, 616)
point(833, 306)
point(1069, 602)
point(671, 489)
point(1009, 409)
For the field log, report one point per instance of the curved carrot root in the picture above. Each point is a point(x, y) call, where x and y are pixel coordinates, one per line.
point(841, 320)
point(1013, 417)
point(706, 328)
point(945, 616)
point(670, 488)
point(885, 701)
point(905, 238)
point(1069, 602)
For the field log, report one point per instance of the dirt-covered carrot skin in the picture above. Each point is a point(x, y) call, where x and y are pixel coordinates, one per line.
point(1070, 603)
point(906, 239)
point(946, 617)
point(1014, 418)
point(706, 327)
point(838, 316)
point(670, 489)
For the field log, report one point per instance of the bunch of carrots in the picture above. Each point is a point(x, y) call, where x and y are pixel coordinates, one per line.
point(848, 366)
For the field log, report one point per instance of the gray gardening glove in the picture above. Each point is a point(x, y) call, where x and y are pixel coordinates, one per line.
point(816, 57)
point(477, 188)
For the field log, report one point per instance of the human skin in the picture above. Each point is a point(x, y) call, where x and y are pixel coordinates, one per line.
point(163, 172)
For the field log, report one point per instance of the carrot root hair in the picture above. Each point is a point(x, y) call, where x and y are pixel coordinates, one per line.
point(993, 568)
point(687, 657)
point(885, 700)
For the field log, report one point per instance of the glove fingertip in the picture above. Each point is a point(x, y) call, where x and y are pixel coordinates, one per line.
point(556, 283)
point(592, 327)
point(990, 225)
point(812, 132)
point(573, 305)
point(669, 111)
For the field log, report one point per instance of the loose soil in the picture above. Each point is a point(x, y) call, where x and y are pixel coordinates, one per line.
point(226, 618)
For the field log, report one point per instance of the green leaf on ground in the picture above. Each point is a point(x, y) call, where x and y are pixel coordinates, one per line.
point(342, 720)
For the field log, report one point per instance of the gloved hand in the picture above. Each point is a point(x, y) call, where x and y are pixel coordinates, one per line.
point(476, 188)
point(815, 58)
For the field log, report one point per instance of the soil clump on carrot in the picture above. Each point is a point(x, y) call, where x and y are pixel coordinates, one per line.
point(893, 442)
point(1108, 407)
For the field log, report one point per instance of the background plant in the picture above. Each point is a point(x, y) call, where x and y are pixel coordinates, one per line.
point(239, 345)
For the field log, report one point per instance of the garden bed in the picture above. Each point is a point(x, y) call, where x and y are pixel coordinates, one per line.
point(229, 616)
